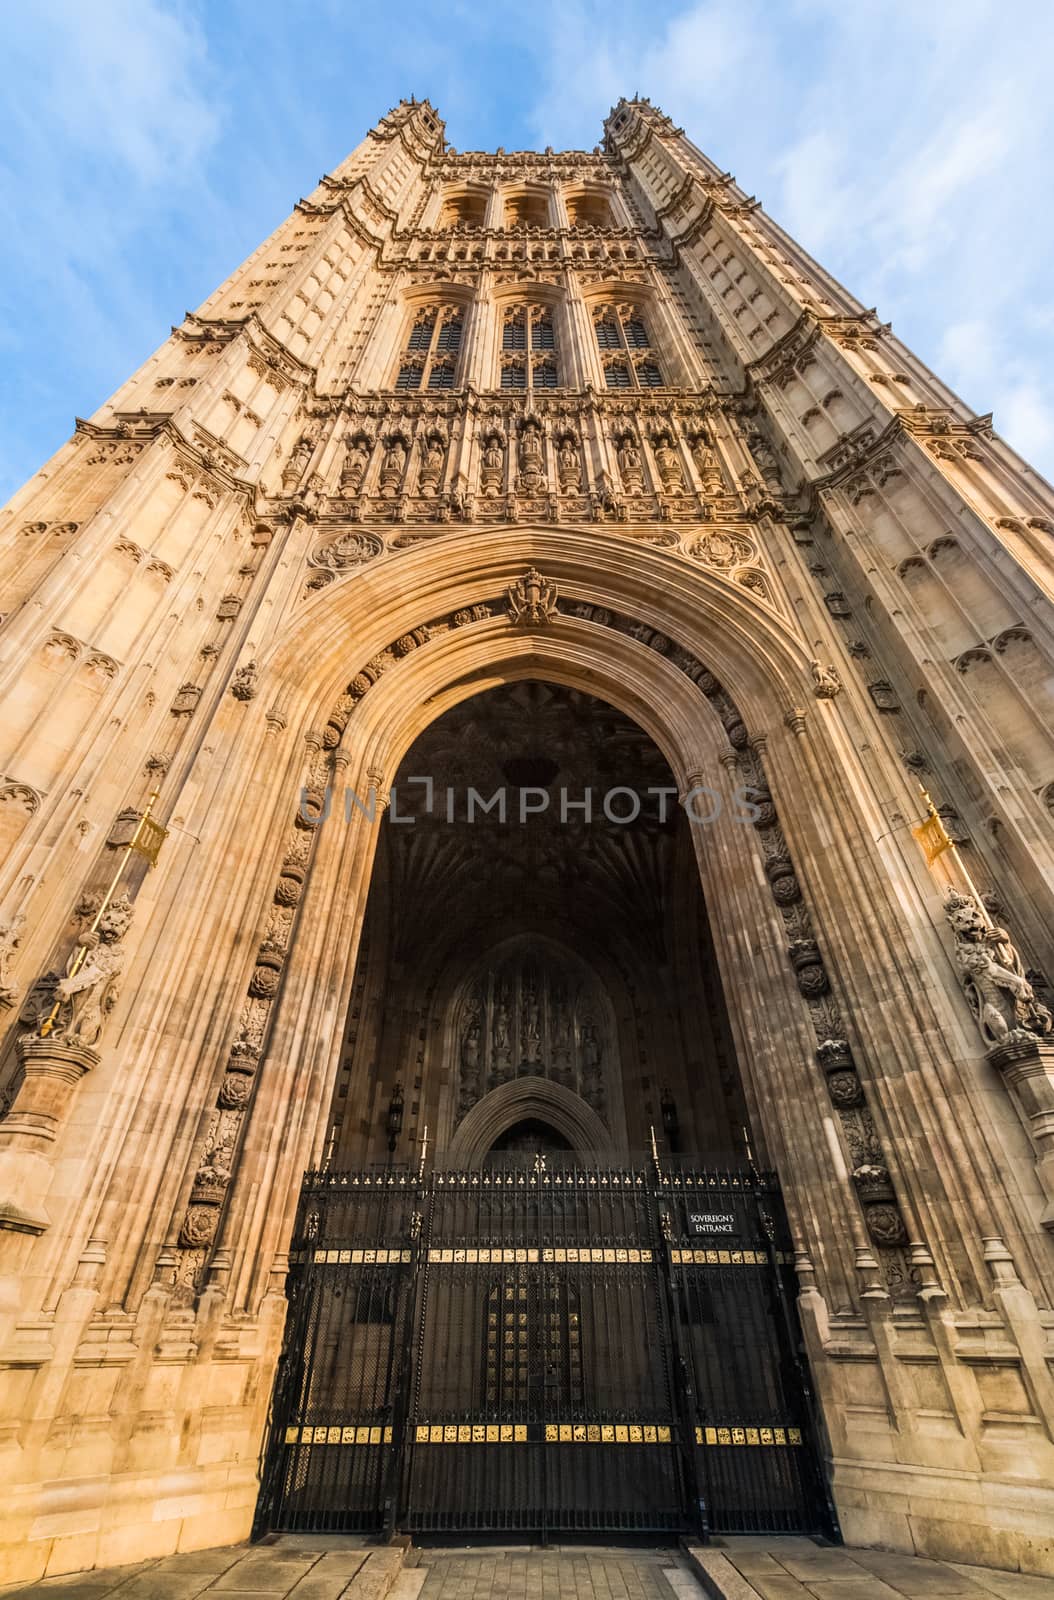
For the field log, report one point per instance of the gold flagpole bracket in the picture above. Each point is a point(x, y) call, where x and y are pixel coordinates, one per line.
point(931, 834)
point(935, 840)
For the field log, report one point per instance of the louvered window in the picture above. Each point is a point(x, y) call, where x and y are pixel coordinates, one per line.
point(429, 357)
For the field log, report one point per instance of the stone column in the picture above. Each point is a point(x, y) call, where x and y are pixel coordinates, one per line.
point(51, 1071)
point(1026, 1066)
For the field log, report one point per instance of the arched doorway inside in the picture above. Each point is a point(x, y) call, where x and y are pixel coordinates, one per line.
point(536, 1241)
point(535, 911)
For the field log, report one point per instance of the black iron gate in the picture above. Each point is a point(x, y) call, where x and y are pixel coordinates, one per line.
point(542, 1347)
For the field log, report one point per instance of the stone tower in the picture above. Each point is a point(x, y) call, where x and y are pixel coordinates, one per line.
point(468, 420)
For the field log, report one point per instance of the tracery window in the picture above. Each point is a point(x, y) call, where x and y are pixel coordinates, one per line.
point(528, 348)
point(629, 361)
point(429, 357)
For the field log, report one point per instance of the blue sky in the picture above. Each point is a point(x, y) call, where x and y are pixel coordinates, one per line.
point(150, 145)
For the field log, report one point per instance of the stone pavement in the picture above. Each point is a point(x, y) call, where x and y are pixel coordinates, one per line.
point(800, 1569)
point(304, 1567)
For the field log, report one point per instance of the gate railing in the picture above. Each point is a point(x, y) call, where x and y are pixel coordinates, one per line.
point(542, 1346)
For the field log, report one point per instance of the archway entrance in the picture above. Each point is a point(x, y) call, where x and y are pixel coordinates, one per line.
point(535, 914)
point(568, 1305)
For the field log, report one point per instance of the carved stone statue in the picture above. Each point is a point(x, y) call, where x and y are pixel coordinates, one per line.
point(532, 1033)
point(356, 459)
point(1001, 998)
point(706, 462)
point(10, 939)
point(826, 682)
point(569, 467)
point(88, 992)
point(393, 467)
point(302, 453)
point(471, 1061)
point(532, 471)
point(531, 599)
point(630, 466)
point(432, 465)
point(669, 465)
point(492, 469)
point(592, 1076)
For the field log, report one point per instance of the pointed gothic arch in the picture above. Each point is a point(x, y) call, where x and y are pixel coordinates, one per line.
point(534, 1099)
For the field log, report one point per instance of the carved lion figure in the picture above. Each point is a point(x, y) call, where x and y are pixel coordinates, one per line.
point(1003, 1001)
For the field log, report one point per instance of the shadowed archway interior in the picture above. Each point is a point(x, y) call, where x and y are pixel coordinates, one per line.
point(536, 960)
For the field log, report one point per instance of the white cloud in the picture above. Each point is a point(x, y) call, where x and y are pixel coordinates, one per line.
point(1026, 415)
point(906, 146)
point(108, 121)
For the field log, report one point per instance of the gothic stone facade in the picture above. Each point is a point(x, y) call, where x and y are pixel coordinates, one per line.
point(586, 419)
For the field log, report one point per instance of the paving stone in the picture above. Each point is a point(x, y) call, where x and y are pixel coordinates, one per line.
point(783, 1587)
point(270, 1572)
point(865, 1587)
point(917, 1575)
point(1006, 1585)
point(821, 1565)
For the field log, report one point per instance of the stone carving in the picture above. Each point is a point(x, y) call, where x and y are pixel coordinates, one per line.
point(471, 1055)
point(245, 683)
point(999, 994)
point(531, 477)
point(706, 462)
point(20, 797)
point(433, 456)
point(213, 1176)
point(826, 682)
point(569, 465)
point(87, 992)
point(630, 465)
point(669, 464)
point(352, 549)
point(531, 1016)
point(294, 468)
point(235, 1091)
point(883, 694)
point(356, 460)
point(492, 468)
point(10, 941)
point(393, 467)
point(531, 600)
point(721, 549)
point(187, 697)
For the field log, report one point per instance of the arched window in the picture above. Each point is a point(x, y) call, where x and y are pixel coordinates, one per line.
point(528, 348)
point(429, 357)
point(526, 210)
point(463, 211)
point(622, 329)
point(588, 211)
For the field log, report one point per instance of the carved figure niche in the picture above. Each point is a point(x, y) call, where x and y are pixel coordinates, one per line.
point(533, 1015)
